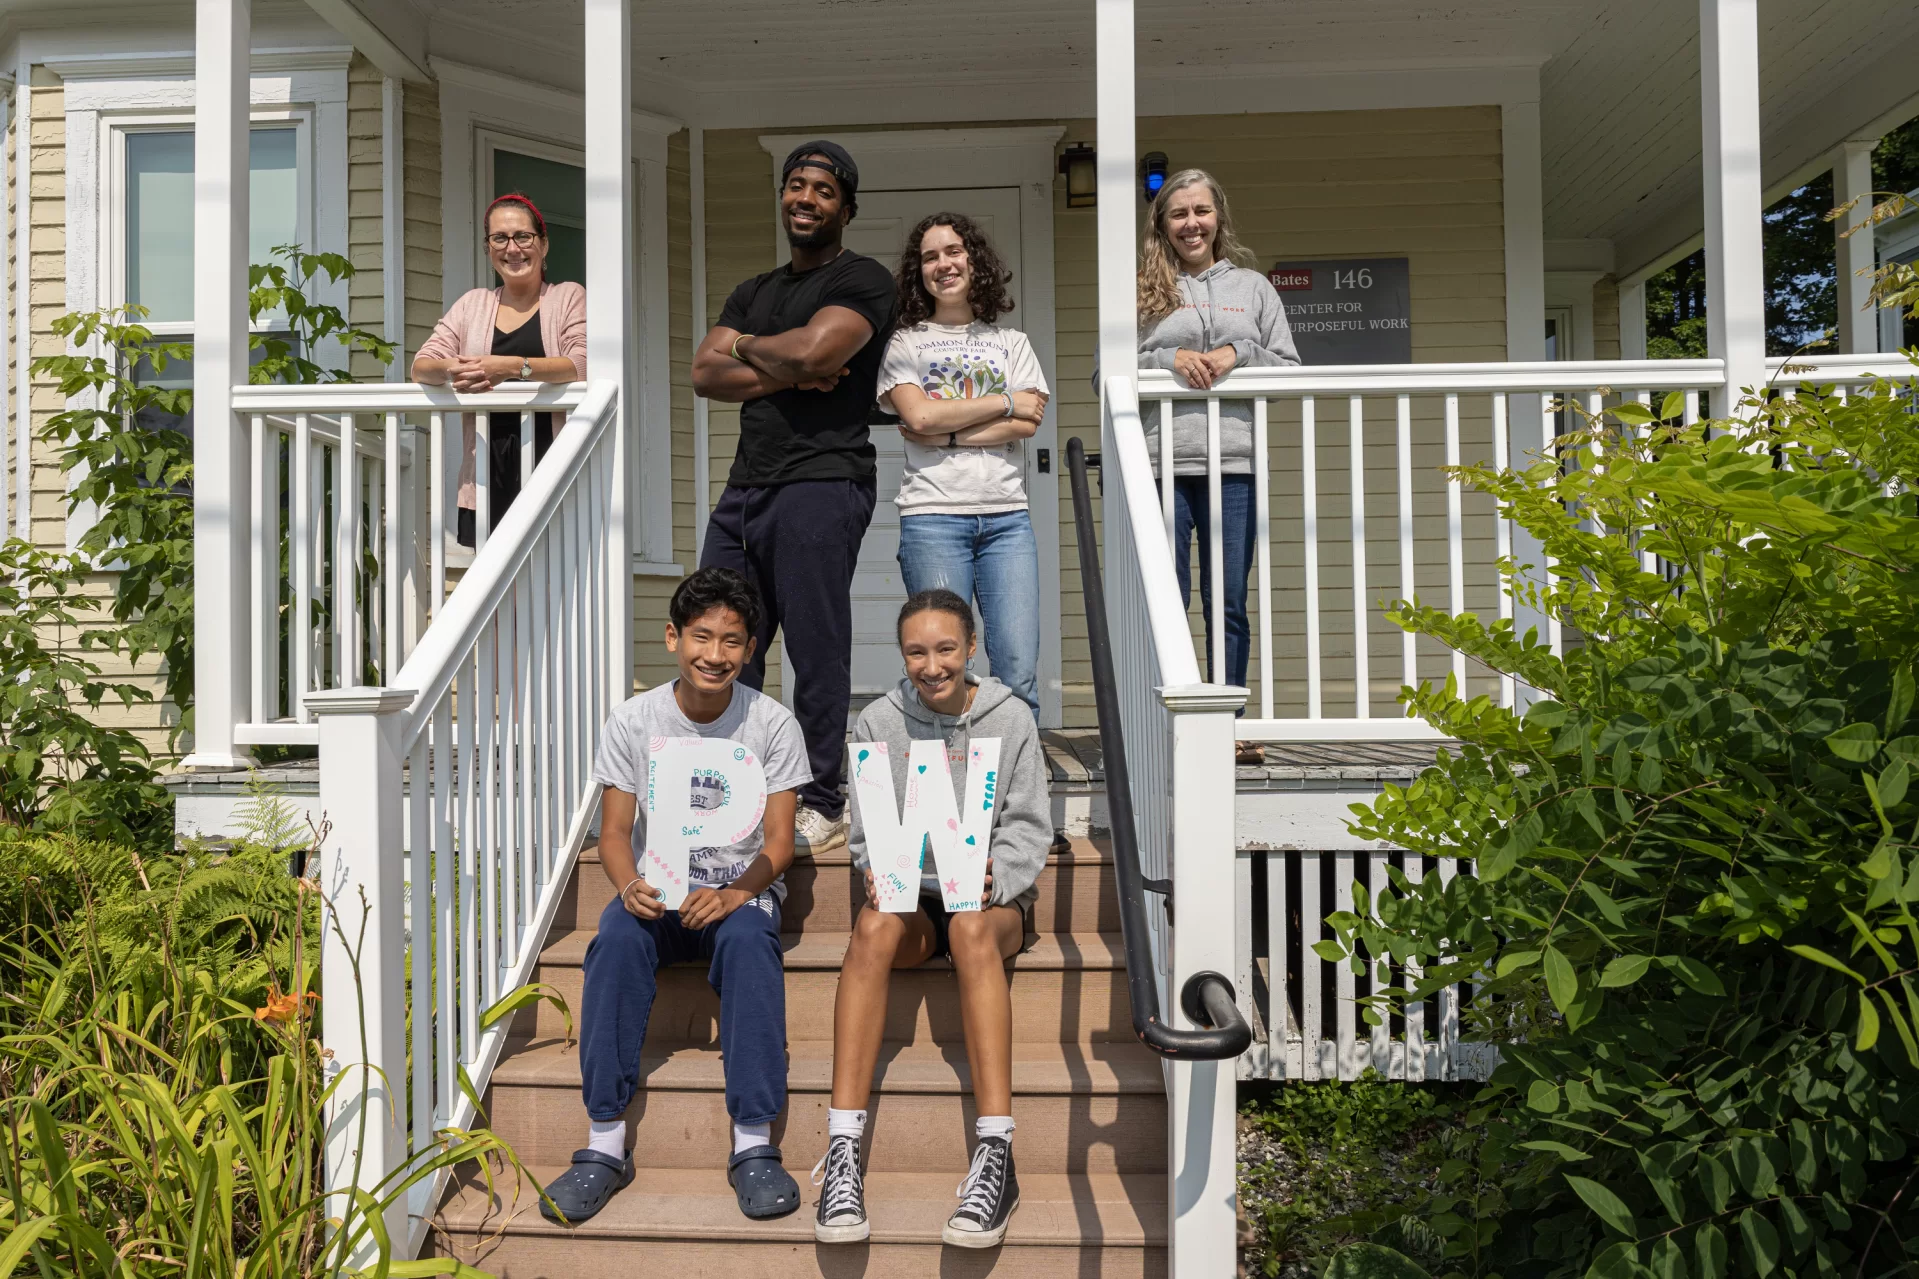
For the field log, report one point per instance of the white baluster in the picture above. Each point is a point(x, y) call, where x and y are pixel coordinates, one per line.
point(1309, 520)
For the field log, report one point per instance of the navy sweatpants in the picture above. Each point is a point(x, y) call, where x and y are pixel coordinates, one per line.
point(744, 967)
point(798, 544)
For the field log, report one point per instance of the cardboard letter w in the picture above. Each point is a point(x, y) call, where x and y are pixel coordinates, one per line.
point(958, 831)
point(701, 792)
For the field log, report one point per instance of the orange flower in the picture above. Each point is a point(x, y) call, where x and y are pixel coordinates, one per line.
point(281, 1008)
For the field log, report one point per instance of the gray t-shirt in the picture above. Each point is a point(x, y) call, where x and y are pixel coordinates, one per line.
point(954, 362)
point(642, 724)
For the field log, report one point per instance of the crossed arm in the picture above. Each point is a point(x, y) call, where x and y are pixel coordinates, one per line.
point(703, 906)
point(976, 419)
point(810, 358)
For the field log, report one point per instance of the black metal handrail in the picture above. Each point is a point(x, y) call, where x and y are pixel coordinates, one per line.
point(1207, 997)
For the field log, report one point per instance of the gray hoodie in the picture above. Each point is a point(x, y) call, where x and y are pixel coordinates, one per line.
point(1022, 814)
point(1224, 304)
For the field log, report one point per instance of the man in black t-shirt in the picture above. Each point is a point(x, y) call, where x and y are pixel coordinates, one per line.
point(798, 349)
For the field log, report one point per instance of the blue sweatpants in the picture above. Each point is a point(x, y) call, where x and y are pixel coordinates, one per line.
point(744, 967)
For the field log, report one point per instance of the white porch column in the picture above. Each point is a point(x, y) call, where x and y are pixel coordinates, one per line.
point(224, 600)
point(1118, 327)
point(609, 300)
point(1852, 180)
point(1735, 258)
point(1522, 189)
point(1202, 1095)
point(1632, 321)
point(360, 879)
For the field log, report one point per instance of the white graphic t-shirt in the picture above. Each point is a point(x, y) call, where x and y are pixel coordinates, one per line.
point(754, 720)
point(950, 362)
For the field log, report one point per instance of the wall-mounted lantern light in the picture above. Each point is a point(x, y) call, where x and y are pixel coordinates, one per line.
point(1152, 174)
point(1080, 167)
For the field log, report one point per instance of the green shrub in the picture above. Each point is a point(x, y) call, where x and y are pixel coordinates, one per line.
point(61, 768)
point(1692, 925)
point(120, 442)
point(162, 1088)
point(1320, 1162)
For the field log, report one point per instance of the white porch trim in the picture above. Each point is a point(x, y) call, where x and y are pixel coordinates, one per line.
point(393, 222)
point(1852, 180)
point(928, 159)
point(222, 618)
point(607, 113)
point(22, 337)
point(1735, 254)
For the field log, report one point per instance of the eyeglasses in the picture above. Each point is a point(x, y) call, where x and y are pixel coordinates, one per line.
point(520, 239)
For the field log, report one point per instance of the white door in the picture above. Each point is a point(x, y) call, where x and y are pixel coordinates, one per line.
point(885, 219)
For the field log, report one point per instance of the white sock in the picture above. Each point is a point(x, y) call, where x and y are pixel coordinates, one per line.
point(845, 1123)
point(747, 1136)
point(993, 1126)
point(607, 1136)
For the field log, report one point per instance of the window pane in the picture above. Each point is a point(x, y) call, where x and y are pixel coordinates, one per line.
point(160, 224)
point(160, 212)
point(560, 192)
point(273, 211)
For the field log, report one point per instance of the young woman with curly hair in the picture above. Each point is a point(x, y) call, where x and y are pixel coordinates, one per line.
point(969, 393)
point(1202, 315)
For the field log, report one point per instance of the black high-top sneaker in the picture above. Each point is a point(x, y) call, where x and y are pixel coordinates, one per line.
point(842, 1214)
point(987, 1197)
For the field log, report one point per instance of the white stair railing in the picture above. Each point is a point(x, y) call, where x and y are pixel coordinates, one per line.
point(1179, 744)
point(458, 800)
point(352, 530)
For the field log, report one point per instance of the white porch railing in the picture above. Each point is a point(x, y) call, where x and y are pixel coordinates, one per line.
point(466, 787)
point(352, 530)
point(1305, 1011)
point(1341, 526)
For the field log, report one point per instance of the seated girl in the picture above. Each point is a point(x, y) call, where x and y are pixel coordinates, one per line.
point(940, 700)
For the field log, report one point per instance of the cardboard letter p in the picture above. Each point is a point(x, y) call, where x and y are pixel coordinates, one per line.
point(701, 792)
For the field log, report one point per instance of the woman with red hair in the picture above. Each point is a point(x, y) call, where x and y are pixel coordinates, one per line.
point(523, 330)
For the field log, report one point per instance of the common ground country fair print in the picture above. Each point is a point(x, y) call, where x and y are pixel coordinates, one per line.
point(958, 832)
point(721, 806)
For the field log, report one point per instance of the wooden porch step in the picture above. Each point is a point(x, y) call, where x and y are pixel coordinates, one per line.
point(686, 1223)
point(1081, 1107)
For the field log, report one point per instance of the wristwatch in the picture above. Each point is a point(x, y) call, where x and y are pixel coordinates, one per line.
point(526, 370)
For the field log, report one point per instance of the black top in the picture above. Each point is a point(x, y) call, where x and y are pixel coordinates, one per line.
point(812, 435)
point(526, 343)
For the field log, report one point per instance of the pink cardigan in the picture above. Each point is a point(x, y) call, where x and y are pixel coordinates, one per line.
point(467, 329)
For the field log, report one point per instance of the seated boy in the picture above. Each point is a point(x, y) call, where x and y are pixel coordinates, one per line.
point(730, 919)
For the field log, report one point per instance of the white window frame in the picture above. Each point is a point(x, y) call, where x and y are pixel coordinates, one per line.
point(105, 99)
point(115, 128)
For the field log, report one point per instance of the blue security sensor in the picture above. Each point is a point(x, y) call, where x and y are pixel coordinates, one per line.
point(1152, 174)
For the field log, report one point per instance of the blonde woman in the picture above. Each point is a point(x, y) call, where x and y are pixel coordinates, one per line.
point(1202, 315)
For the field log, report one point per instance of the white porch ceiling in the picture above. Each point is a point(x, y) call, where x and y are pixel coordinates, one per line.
point(1617, 80)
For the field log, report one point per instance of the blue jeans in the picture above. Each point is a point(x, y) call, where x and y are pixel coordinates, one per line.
point(1190, 506)
point(991, 558)
point(744, 967)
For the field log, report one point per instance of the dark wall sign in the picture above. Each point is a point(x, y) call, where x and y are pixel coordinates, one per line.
point(1349, 310)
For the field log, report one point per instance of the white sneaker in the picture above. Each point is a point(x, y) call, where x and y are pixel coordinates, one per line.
point(815, 833)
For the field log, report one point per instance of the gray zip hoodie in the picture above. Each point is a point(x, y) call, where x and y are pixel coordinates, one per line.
point(1224, 305)
point(1022, 811)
